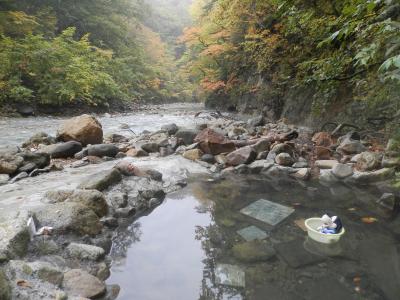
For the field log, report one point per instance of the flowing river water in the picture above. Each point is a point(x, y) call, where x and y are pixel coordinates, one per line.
point(178, 250)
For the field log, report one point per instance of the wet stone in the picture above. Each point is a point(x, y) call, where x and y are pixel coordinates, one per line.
point(230, 275)
point(267, 211)
point(254, 251)
point(252, 233)
point(294, 254)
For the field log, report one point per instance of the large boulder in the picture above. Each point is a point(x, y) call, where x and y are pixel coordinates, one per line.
point(102, 180)
point(103, 150)
point(214, 143)
point(368, 161)
point(186, 135)
point(80, 283)
point(241, 156)
point(63, 150)
point(84, 129)
point(69, 216)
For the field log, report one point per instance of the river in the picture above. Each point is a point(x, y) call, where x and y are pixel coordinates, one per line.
point(177, 250)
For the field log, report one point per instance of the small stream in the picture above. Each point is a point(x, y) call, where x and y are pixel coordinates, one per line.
point(174, 251)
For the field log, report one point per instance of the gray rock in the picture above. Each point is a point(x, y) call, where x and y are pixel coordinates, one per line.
point(388, 202)
point(103, 271)
point(110, 222)
point(125, 212)
point(208, 158)
point(302, 174)
point(350, 146)
point(83, 251)
point(150, 147)
point(116, 138)
point(29, 167)
point(4, 178)
point(81, 154)
point(55, 196)
point(342, 171)
point(240, 156)
point(171, 129)
point(39, 138)
point(78, 282)
point(368, 161)
point(63, 150)
point(91, 198)
point(112, 292)
point(326, 164)
point(5, 287)
point(284, 159)
point(47, 272)
point(102, 180)
point(258, 166)
point(300, 165)
point(101, 150)
point(118, 200)
point(69, 216)
point(41, 160)
point(19, 177)
point(152, 193)
point(187, 135)
point(14, 236)
point(166, 151)
point(120, 155)
point(261, 146)
point(370, 177)
point(326, 177)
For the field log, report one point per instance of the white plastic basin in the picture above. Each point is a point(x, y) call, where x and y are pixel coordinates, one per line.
point(313, 223)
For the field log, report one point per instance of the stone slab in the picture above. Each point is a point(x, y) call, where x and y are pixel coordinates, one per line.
point(230, 275)
point(267, 211)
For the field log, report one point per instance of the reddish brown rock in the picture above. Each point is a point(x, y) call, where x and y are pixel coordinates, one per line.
point(241, 156)
point(322, 139)
point(322, 152)
point(212, 142)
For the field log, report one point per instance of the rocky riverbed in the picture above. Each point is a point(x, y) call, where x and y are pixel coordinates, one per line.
point(87, 183)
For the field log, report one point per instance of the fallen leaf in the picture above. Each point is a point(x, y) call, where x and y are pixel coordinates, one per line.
point(369, 220)
point(301, 223)
point(23, 283)
point(352, 209)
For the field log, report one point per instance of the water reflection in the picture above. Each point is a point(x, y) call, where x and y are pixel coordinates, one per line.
point(184, 240)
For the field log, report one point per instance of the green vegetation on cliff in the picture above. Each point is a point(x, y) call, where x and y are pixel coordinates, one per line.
point(326, 55)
